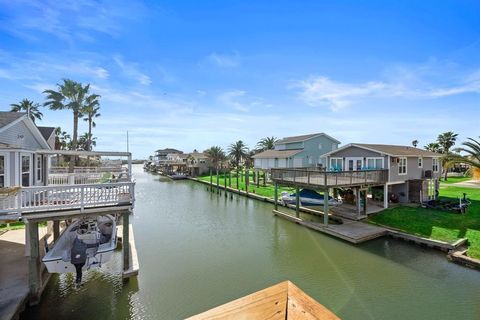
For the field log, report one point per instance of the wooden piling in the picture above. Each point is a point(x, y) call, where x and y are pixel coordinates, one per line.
point(34, 276)
point(126, 241)
point(276, 196)
point(325, 206)
point(297, 202)
point(56, 230)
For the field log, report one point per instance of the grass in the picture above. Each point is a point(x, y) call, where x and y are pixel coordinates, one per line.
point(16, 226)
point(266, 191)
point(439, 225)
point(455, 180)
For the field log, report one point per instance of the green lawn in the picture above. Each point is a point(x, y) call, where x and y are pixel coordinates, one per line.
point(16, 225)
point(439, 225)
point(266, 191)
point(456, 179)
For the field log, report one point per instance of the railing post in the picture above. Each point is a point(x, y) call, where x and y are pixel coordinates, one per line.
point(82, 199)
point(308, 177)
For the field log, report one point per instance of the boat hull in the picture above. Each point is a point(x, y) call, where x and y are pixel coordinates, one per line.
point(61, 266)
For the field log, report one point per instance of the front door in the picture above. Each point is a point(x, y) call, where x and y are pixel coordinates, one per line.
point(354, 164)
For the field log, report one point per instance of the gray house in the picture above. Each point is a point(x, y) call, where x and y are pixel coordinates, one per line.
point(297, 152)
point(413, 173)
point(20, 138)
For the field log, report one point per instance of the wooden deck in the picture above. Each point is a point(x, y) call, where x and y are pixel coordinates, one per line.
point(351, 231)
point(316, 179)
point(278, 302)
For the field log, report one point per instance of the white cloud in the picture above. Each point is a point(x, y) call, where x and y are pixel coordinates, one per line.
point(132, 70)
point(224, 60)
point(412, 84)
point(240, 101)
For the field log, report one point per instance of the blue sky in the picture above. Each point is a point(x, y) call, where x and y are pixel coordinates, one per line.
point(192, 74)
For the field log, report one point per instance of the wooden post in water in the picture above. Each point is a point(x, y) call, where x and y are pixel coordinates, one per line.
point(34, 276)
point(230, 178)
point(258, 179)
point(126, 240)
point(225, 182)
point(218, 186)
point(365, 202)
point(56, 230)
point(275, 196)
point(236, 171)
point(247, 179)
point(211, 180)
point(297, 202)
point(325, 206)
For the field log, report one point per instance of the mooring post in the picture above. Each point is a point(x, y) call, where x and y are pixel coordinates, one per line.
point(218, 186)
point(126, 241)
point(275, 196)
point(297, 202)
point(325, 207)
point(365, 202)
point(358, 201)
point(247, 179)
point(56, 230)
point(211, 180)
point(34, 276)
point(225, 182)
point(258, 179)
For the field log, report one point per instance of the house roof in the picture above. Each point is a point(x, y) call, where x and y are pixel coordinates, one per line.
point(198, 155)
point(46, 131)
point(390, 149)
point(7, 117)
point(304, 137)
point(277, 153)
point(169, 150)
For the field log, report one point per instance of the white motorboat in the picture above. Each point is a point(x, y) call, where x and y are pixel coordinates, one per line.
point(87, 243)
point(309, 198)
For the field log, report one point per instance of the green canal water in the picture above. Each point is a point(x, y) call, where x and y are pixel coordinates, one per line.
point(198, 250)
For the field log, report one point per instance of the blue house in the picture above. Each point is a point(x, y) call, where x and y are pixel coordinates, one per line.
point(297, 152)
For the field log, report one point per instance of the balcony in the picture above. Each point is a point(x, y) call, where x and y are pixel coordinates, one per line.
point(314, 178)
point(85, 191)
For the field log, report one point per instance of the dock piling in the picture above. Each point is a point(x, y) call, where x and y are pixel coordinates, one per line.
point(325, 206)
point(34, 277)
point(276, 196)
point(297, 202)
point(126, 241)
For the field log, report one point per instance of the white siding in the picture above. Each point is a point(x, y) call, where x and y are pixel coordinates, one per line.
point(297, 162)
point(19, 135)
point(282, 163)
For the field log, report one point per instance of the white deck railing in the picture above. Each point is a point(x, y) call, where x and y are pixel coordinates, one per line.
point(80, 196)
point(58, 179)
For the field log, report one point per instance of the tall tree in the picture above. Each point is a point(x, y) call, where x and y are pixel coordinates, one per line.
point(267, 143)
point(216, 155)
point(472, 150)
point(28, 106)
point(71, 95)
point(238, 151)
point(90, 110)
point(446, 140)
point(415, 143)
point(433, 147)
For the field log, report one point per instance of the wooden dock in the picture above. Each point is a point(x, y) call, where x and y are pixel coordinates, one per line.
point(351, 231)
point(134, 266)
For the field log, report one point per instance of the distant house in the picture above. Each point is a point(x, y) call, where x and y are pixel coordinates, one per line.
point(412, 172)
point(20, 138)
point(297, 152)
point(162, 154)
point(198, 163)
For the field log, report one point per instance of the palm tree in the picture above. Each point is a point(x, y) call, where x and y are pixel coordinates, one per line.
point(446, 140)
point(267, 143)
point(433, 147)
point(61, 139)
point(91, 109)
point(85, 143)
point(28, 106)
point(237, 151)
point(415, 143)
point(216, 155)
point(70, 95)
point(472, 148)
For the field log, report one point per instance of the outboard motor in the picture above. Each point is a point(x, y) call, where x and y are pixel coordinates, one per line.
point(78, 258)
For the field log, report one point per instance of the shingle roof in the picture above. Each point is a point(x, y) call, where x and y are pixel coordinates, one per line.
point(46, 131)
point(8, 117)
point(169, 150)
point(303, 138)
point(395, 150)
point(277, 153)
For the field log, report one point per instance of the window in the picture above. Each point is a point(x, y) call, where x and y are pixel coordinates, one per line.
point(319, 146)
point(420, 162)
point(374, 163)
point(25, 171)
point(39, 168)
point(435, 164)
point(2, 171)
point(336, 164)
point(402, 166)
